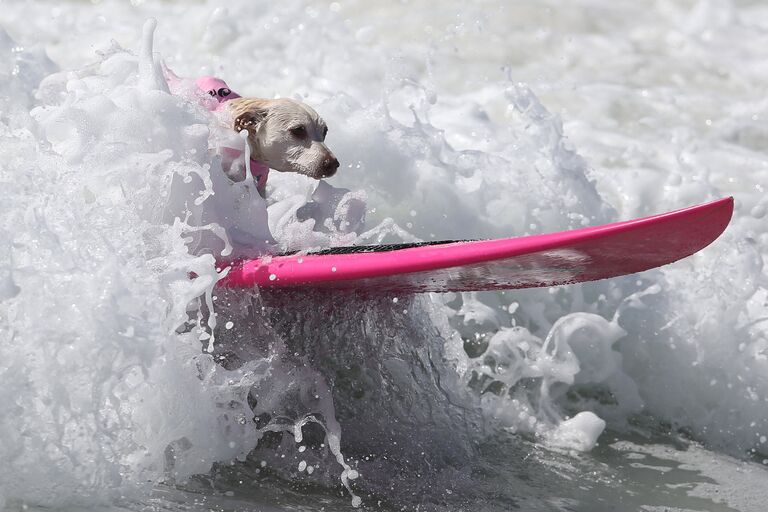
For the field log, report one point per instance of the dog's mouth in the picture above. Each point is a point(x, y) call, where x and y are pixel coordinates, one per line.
point(328, 169)
point(321, 175)
point(328, 173)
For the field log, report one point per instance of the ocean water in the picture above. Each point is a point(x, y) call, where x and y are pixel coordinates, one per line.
point(128, 381)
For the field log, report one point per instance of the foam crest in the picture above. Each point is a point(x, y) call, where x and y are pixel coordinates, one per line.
point(98, 384)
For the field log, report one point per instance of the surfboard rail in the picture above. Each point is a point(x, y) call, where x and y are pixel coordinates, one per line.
point(578, 255)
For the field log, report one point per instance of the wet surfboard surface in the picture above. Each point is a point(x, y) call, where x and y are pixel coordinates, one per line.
point(566, 257)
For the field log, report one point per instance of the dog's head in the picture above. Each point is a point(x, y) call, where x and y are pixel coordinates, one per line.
point(286, 135)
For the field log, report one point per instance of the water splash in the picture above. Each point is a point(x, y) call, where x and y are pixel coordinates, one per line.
point(94, 266)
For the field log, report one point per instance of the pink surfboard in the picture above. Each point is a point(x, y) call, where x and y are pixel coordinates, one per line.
point(574, 256)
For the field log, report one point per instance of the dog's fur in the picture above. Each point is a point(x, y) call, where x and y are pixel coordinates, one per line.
point(285, 135)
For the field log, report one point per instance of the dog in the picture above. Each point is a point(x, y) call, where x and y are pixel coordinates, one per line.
point(286, 135)
point(283, 134)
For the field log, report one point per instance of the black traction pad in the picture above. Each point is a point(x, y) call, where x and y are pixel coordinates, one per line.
point(361, 249)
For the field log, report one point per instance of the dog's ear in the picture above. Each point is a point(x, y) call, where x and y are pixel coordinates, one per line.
point(250, 119)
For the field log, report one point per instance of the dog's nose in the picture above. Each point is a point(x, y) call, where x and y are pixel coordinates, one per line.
point(330, 165)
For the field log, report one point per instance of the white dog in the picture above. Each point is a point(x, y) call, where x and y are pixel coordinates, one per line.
point(285, 135)
point(281, 134)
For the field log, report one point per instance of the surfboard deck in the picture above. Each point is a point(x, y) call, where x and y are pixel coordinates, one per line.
point(574, 256)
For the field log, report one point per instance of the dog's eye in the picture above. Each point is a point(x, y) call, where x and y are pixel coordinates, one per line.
point(212, 92)
point(299, 132)
point(224, 92)
point(325, 131)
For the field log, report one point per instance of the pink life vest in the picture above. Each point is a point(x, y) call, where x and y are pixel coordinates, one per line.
point(221, 93)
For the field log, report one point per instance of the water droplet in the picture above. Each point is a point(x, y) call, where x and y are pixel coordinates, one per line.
point(272, 277)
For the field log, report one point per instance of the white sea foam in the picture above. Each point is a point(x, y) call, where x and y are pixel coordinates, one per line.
point(104, 394)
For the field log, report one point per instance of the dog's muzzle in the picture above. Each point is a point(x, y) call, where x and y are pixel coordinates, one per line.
point(330, 166)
